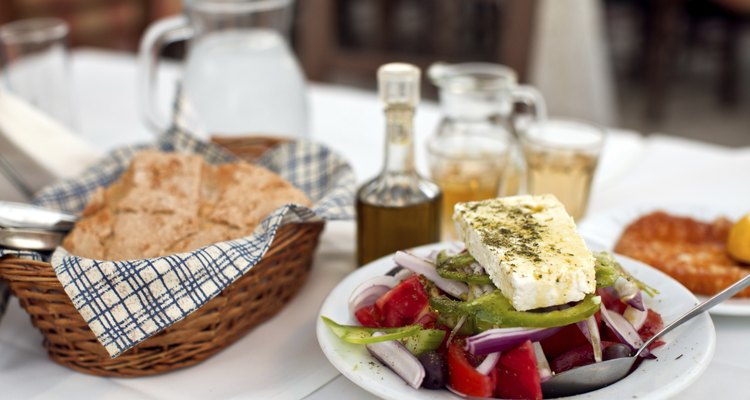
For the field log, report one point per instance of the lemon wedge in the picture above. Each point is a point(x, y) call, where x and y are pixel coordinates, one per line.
point(738, 243)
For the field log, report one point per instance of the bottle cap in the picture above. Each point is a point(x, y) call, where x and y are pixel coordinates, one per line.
point(398, 83)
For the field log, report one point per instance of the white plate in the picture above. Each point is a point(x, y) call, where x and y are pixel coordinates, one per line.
point(607, 227)
point(686, 355)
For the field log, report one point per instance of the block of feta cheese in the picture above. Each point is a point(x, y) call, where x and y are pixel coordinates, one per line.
point(530, 248)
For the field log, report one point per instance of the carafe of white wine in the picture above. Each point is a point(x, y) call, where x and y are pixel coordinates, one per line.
point(480, 99)
point(240, 76)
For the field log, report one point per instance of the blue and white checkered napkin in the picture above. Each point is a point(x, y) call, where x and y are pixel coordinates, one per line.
point(125, 302)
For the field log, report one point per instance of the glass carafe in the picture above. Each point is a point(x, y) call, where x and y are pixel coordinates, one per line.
point(479, 99)
point(240, 76)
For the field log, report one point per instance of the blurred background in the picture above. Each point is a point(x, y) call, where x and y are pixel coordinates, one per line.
point(678, 67)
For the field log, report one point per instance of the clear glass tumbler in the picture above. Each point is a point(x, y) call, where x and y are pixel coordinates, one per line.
point(468, 166)
point(561, 158)
point(34, 58)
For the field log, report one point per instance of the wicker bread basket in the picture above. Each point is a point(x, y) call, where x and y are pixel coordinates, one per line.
point(250, 300)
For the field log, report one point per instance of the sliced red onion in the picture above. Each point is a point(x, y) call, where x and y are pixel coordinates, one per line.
point(481, 290)
point(622, 328)
point(625, 288)
point(489, 363)
point(369, 291)
point(542, 365)
point(629, 293)
point(637, 302)
point(477, 268)
point(456, 328)
point(635, 316)
point(501, 339)
point(395, 356)
point(584, 328)
point(403, 274)
point(590, 329)
point(476, 291)
point(419, 265)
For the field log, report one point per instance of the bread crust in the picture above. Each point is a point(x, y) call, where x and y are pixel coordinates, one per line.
point(168, 203)
point(691, 251)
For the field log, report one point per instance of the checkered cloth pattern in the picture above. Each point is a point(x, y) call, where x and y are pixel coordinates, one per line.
point(126, 302)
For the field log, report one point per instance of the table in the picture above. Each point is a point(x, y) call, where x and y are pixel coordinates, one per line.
point(281, 358)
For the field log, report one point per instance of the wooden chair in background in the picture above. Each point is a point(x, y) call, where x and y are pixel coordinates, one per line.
point(665, 20)
point(354, 37)
point(113, 24)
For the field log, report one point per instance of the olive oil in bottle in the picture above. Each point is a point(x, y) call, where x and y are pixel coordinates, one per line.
point(398, 209)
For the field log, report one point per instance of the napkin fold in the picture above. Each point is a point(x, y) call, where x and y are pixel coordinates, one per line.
point(39, 148)
point(126, 302)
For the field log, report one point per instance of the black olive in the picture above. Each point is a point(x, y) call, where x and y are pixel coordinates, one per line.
point(436, 370)
point(617, 350)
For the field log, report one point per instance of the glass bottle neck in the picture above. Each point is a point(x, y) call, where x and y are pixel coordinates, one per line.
point(399, 147)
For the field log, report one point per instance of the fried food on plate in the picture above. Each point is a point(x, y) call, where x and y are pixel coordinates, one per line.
point(691, 251)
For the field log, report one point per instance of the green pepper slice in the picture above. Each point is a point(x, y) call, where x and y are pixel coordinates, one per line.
point(459, 268)
point(363, 335)
point(608, 270)
point(606, 273)
point(495, 311)
point(424, 341)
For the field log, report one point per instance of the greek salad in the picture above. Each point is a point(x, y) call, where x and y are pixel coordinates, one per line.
point(439, 322)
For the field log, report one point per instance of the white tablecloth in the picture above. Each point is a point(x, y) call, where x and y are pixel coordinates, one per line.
point(281, 359)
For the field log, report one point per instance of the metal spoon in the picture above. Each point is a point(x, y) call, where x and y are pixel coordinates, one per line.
point(30, 239)
point(595, 376)
point(27, 216)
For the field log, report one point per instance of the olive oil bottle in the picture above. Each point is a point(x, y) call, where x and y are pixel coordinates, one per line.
point(398, 209)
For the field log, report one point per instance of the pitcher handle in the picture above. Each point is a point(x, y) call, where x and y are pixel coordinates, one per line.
point(159, 35)
point(531, 97)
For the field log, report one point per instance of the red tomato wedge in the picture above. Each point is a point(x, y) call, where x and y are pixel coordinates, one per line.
point(403, 305)
point(567, 338)
point(368, 316)
point(653, 325)
point(611, 301)
point(577, 357)
point(518, 377)
point(463, 377)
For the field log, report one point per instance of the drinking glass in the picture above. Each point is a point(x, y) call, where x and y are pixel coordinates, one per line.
point(34, 64)
point(468, 166)
point(561, 158)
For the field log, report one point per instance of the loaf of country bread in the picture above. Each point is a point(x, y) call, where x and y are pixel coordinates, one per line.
point(168, 203)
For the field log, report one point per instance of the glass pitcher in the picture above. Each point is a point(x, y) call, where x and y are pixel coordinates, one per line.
point(478, 103)
point(240, 76)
